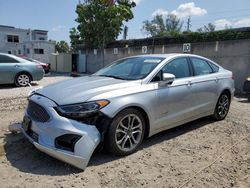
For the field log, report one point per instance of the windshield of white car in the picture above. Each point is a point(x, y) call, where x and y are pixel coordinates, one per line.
point(134, 68)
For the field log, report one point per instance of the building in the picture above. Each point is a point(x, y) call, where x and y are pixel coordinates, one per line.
point(26, 42)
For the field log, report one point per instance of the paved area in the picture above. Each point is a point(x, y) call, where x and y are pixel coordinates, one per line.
point(11, 91)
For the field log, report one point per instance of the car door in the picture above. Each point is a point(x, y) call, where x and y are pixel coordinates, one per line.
point(174, 102)
point(9, 67)
point(205, 85)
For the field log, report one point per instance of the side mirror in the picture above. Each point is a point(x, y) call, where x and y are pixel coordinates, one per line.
point(168, 78)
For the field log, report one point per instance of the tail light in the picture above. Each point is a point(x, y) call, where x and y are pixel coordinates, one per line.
point(39, 66)
point(232, 76)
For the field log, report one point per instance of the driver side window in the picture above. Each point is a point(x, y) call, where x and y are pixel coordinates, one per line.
point(7, 59)
point(178, 67)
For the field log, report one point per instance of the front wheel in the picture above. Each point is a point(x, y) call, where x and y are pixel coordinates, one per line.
point(126, 132)
point(222, 107)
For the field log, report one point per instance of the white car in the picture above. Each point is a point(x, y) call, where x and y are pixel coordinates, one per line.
point(125, 102)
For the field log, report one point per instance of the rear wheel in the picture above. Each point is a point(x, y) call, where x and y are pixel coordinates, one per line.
point(222, 107)
point(126, 132)
point(22, 80)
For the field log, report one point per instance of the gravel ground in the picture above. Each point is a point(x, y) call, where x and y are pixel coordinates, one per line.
point(202, 153)
point(11, 91)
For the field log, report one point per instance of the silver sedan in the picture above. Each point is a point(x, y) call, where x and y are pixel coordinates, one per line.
point(19, 71)
point(124, 103)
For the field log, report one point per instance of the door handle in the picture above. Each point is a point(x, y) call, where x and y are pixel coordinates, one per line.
point(17, 66)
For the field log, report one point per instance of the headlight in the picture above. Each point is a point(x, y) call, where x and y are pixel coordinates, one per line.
point(82, 109)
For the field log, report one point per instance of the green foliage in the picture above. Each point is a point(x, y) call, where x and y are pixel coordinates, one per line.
point(207, 28)
point(185, 37)
point(62, 47)
point(74, 36)
point(101, 21)
point(159, 27)
point(173, 25)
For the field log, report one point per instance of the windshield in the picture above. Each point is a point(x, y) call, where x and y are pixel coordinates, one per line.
point(134, 68)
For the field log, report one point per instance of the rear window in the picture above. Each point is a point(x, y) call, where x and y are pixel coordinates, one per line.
point(214, 67)
point(201, 67)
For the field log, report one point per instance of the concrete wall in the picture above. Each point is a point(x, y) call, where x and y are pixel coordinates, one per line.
point(233, 55)
point(61, 62)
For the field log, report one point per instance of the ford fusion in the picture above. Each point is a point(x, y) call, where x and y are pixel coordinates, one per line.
point(124, 103)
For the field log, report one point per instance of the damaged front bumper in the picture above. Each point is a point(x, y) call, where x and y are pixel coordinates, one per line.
point(68, 140)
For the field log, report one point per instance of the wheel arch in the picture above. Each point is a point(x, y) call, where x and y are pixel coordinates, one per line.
point(144, 114)
point(227, 91)
point(24, 72)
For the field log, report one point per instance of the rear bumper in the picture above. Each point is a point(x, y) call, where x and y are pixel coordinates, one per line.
point(38, 75)
point(57, 126)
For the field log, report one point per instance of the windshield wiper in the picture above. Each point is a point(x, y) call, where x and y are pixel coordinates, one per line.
point(111, 76)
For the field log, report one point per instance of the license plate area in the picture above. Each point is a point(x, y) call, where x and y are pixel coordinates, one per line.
point(26, 124)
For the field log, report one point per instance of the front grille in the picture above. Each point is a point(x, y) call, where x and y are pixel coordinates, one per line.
point(37, 112)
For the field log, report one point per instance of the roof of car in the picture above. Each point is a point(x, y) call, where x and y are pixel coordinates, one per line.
point(169, 55)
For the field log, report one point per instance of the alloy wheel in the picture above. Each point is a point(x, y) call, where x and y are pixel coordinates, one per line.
point(128, 132)
point(223, 106)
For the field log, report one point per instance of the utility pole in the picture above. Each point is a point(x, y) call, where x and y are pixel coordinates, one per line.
point(188, 24)
point(125, 32)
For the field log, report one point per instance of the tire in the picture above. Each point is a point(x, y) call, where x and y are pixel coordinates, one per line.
point(222, 107)
point(248, 97)
point(126, 132)
point(22, 80)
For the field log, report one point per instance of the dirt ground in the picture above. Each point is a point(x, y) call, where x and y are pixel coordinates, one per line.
point(202, 153)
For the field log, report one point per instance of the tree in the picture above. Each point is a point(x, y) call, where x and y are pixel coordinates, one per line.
point(156, 27)
point(173, 24)
point(62, 47)
point(74, 36)
point(207, 28)
point(160, 27)
point(101, 21)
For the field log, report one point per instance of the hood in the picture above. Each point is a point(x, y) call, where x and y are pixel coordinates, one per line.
point(81, 89)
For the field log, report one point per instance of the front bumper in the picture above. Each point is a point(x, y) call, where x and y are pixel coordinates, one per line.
point(47, 132)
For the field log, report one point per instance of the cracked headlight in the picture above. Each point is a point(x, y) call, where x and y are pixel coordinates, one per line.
point(81, 110)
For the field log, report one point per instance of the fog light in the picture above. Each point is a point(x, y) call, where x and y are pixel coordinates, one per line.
point(67, 142)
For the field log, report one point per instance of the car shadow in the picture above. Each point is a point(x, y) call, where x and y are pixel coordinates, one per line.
point(11, 86)
point(242, 100)
point(56, 74)
point(24, 156)
point(104, 157)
